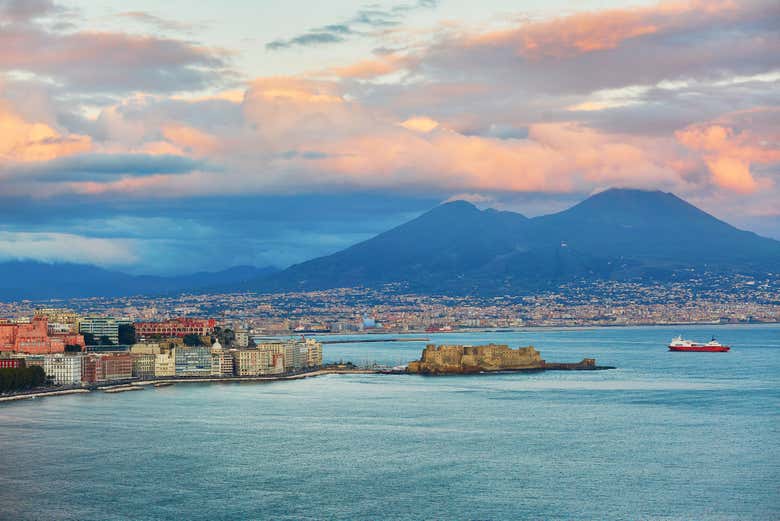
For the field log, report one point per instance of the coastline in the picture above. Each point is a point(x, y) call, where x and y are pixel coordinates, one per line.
point(35, 394)
point(142, 384)
point(537, 328)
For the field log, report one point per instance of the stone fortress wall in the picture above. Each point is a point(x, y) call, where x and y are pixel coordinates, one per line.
point(472, 359)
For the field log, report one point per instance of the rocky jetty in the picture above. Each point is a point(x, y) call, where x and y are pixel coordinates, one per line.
point(459, 359)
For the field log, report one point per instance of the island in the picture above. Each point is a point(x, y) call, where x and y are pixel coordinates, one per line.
point(460, 359)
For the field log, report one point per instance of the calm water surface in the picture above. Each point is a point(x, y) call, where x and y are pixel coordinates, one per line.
point(671, 436)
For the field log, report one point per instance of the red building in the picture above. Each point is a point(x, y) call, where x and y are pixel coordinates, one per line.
point(73, 340)
point(31, 338)
point(107, 367)
point(11, 363)
point(177, 327)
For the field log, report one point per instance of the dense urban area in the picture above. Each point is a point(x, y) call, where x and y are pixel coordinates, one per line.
point(93, 341)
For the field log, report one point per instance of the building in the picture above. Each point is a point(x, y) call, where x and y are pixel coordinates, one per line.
point(221, 361)
point(11, 363)
point(241, 337)
point(151, 348)
point(99, 327)
point(177, 327)
point(193, 361)
point(107, 367)
point(63, 369)
point(273, 356)
point(246, 362)
point(63, 318)
point(143, 365)
point(314, 350)
point(30, 337)
point(165, 363)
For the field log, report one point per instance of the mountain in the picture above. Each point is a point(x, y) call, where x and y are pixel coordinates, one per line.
point(38, 280)
point(618, 234)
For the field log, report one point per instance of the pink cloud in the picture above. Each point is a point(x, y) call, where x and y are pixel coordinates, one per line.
point(729, 151)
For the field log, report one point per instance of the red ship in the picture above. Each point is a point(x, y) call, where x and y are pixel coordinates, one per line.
point(713, 346)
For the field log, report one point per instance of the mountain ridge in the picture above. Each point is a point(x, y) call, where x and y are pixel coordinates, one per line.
point(618, 234)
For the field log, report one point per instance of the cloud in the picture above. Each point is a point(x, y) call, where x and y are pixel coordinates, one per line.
point(156, 22)
point(362, 23)
point(22, 140)
point(27, 10)
point(560, 106)
point(103, 167)
point(729, 151)
point(63, 247)
point(104, 61)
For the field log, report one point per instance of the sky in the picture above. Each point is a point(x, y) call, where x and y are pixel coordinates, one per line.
point(172, 137)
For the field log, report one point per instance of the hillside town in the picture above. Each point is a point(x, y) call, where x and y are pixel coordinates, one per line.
point(395, 309)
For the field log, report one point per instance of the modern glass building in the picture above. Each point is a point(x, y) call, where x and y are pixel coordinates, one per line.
point(193, 361)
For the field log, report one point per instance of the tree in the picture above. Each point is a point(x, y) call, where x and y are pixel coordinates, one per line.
point(20, 378)
point(126, 334)
point(72, 348)
point(89, 339)
point(192, 340)
point(105, 341)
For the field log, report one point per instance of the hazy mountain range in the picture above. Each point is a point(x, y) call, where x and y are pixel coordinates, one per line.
point(39, 280)
point(457, 248)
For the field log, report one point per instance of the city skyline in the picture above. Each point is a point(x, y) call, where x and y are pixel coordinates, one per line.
point(134, 134)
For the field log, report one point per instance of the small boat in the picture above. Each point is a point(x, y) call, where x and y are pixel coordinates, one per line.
point(713, 346)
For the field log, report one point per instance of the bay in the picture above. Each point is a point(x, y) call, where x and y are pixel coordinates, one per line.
point(668, 436)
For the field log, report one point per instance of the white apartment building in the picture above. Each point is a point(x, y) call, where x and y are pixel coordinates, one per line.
point(63, 369)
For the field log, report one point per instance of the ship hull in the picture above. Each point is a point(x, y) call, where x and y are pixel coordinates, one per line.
point(700, 349)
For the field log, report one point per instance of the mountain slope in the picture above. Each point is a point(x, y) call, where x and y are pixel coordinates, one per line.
point(39, 280)
point(446, 242)
point(617, 234)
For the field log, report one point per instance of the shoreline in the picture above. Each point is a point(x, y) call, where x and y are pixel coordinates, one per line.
point(35, 394)
point(529, 328)
point(140, 385)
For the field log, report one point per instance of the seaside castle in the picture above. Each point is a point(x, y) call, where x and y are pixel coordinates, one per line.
point(473, 359)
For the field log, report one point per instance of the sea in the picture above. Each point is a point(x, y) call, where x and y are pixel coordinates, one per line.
point(665, 436)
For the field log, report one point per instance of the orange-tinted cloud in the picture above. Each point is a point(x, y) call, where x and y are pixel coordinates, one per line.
point(372, 68)
point(729, 152)
point(191, 140)
point(597, 31)
point(21, 140)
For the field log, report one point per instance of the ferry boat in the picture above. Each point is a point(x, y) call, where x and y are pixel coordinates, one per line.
point(713, 346)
